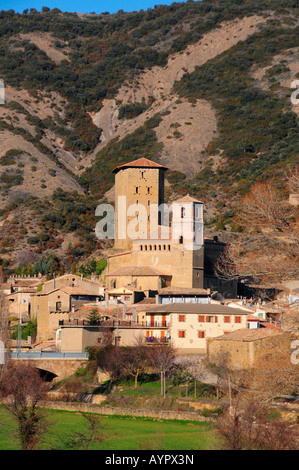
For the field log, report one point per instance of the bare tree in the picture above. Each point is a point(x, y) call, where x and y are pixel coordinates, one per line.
point(21, 390)
point(162, 358)
point(135, 362)
point(110, 361)
point(246, 426)
point(264, 209)
point(265, 265)
point(268, 251)
point(228, 381)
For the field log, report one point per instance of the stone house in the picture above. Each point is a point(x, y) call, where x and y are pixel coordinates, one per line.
point(241, 349)
point(56, 306)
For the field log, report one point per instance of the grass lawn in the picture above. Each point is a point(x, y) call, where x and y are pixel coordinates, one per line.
point(121, 432)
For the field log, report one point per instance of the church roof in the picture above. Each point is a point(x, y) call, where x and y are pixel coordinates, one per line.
point(140, 163)
point(137, 271)
point(187, 198)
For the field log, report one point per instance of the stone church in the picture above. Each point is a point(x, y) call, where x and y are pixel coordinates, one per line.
point(157, 246)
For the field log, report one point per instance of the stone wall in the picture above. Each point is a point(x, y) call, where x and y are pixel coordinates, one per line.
point(125, 411)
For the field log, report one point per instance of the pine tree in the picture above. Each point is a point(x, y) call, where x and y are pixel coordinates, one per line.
point(93, 317)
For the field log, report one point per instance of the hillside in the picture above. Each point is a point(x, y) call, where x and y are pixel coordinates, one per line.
point(202, 87)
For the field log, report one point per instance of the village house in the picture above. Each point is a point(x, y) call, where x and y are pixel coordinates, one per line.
point(18, 291)
point(186, 325)
point(243, 349)
point(146, 279)
point(168, 295)
point(72, 280)
point(58, 299)
point(190, 324)
point(125, 295)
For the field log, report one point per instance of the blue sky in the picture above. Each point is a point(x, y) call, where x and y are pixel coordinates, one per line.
point(88, 6)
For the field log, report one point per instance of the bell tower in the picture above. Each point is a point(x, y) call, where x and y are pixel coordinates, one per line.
point(188, 241)
point(139, 185)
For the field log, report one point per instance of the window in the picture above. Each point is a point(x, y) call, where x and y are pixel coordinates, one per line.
point(181, 240)
point(58, 306)
point(183, 212)
point(211, 319)
point(136, 190)
point(201, 334)
point(181, 333)
point(182, 318)
point(237, 319)
point(201, 318)
point(226, 319)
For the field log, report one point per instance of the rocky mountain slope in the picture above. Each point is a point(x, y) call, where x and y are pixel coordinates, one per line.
point(84, 93)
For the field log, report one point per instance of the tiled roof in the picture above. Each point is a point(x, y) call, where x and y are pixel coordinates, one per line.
point(251, 317)
point(187, 198)
point(137, 271)
point(247, 334)
point(146, 301)
point(196, 308)
point(76, 291)
point(182, 291)
point(140, 163)
point(70, 290)
point(23, 290)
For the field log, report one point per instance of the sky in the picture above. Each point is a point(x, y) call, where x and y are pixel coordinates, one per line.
point(79, 6)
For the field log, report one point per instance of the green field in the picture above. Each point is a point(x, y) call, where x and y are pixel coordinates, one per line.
point(121, 432)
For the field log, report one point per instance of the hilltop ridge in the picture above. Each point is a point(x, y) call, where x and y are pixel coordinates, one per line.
point(201, 87)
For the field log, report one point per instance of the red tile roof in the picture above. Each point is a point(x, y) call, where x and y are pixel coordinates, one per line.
point(187, 198)
point(140, 163)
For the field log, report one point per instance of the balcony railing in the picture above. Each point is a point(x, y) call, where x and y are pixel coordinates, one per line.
point(48, 355)
point(115, 323)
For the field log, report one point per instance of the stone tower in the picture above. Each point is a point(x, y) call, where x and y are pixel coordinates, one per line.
point(139, 189)
point(188, 242)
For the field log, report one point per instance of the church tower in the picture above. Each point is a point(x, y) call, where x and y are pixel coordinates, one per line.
point(139, 189)
point(188, 242)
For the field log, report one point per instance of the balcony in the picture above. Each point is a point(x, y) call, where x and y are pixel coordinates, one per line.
point(116, 323)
